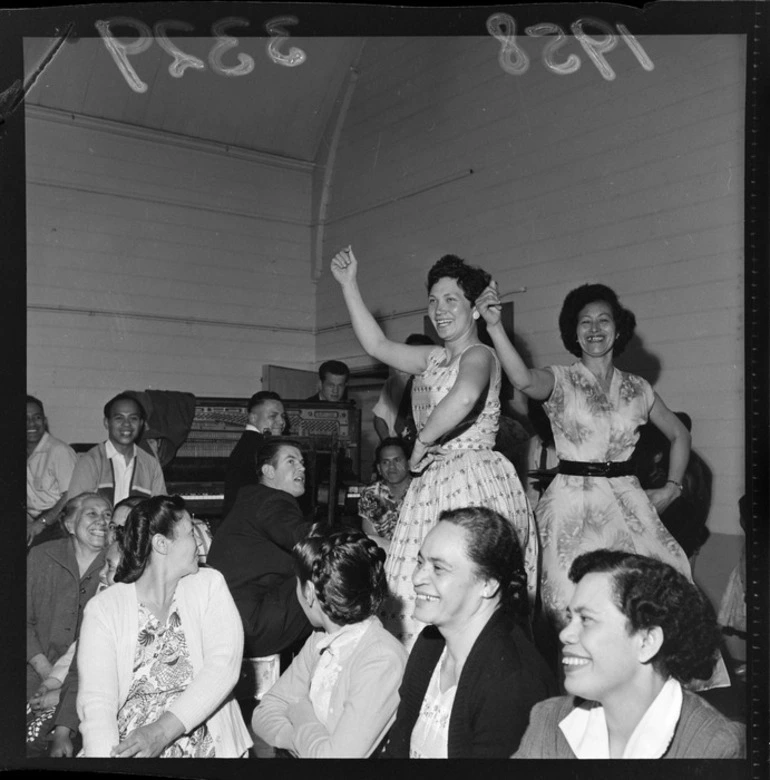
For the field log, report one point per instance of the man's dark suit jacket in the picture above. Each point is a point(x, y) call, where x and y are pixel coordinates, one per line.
point(252, 549)
point(241, 467)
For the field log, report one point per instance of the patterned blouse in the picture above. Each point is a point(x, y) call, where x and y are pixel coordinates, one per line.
point(162, 671)
point(378, 506)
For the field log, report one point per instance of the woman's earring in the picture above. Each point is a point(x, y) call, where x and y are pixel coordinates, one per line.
point(475, 315)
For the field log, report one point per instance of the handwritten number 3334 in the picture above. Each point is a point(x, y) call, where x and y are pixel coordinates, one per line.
point(122, 51)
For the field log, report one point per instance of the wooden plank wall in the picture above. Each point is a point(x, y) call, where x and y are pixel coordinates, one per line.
point(152, 230)
point(635, 182)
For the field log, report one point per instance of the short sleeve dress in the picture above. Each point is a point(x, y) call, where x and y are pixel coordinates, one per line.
point(471, 474)
point(578, 514)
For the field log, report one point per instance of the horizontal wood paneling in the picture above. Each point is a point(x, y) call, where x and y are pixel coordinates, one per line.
point(637, 183)
point(123, 224)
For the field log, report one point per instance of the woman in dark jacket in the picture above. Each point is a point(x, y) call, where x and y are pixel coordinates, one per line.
point(62, 575)
point(473, 675)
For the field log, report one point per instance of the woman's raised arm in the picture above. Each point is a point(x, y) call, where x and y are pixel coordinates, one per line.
point(534, 382)
point(412, 359)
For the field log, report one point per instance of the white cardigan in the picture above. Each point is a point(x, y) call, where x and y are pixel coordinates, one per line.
point(105, 657)
point(363, 702)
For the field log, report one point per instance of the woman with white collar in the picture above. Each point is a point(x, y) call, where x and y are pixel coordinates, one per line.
point(638, 632)
point(160, 651)
point(340, 694)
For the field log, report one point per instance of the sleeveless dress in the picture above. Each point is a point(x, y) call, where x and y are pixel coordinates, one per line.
point(162, 671)
point(471, 474)
point(579, 514)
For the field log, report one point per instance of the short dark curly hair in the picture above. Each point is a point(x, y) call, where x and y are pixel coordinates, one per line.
point(470, 279)
point(347, 570)
point(493, 547)
point(577, 300)
point(392, 441)
point(652, 593)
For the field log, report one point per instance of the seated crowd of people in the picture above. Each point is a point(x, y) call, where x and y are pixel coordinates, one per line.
point(139, 622)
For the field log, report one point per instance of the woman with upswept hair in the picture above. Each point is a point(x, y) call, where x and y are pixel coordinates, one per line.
point(160, 651)
point(456, 405)
point(339, 696)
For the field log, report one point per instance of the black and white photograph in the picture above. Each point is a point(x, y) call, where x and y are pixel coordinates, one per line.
point(397, 385)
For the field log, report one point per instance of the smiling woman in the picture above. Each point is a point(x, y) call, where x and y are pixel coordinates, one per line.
point(62, 575)
point(638, 631)
point(473, 674)
point(456, 406)
point(160, 651)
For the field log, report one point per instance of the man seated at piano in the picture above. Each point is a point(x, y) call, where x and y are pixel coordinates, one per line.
point(333, 378)
point(266, 417)
point(117, 468)
point(252, 548)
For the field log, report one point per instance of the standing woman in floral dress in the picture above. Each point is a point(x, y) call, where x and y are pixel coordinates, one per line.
point(595, 409)
point(455, 396)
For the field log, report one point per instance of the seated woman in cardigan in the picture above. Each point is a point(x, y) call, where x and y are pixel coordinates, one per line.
point(473, 675)
point(638, 632)
point(339, 696)
point(160, 651)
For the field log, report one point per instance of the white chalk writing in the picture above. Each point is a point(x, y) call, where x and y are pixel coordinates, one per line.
point(278, 35)
point(596, 48)
point(225, 43)
point(121, 51)
point(635, 47)
point(503, 28)
point(570, 65)
point(181, 59)
point(514, 60)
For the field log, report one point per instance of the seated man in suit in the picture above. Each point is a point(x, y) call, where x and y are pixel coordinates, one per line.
point(117, 468)
point(50, 463)
point(252, 548)
point(333, 378)
point(266, 417)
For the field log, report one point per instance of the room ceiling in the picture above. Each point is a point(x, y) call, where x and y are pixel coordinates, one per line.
point(273, 108)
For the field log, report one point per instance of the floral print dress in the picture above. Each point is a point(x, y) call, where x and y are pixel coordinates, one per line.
point(578, 514)
point(470, 474)
point(162, 671)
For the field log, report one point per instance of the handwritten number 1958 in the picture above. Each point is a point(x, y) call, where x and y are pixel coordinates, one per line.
point(121, 51)
point(514, 60)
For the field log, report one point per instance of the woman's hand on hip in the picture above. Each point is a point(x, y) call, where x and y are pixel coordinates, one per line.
point(663, 497)
point(344, 266)
point(423, 456)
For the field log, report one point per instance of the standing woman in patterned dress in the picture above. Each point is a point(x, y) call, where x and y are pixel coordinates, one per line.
point(455, 385)
point(596, 410)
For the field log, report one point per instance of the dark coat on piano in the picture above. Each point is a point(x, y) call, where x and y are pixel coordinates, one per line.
point(241, 467)
point(252, 549)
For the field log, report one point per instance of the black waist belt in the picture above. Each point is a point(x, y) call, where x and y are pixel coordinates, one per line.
point(581, 468)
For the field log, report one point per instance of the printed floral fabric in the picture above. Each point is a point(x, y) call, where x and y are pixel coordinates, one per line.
point(162, 671)
point(578, 514)
point(470, 474)
point(379, 507)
